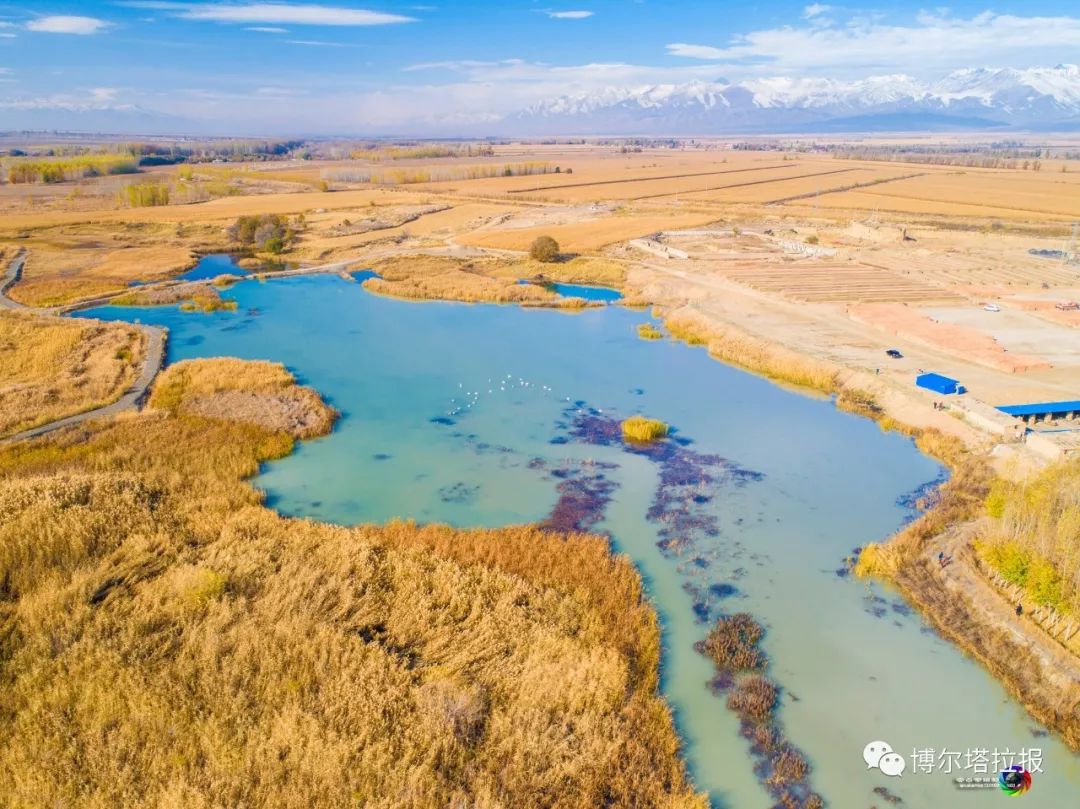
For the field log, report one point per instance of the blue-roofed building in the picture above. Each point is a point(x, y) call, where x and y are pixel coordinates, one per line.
point(1044, 411)
point(944, 385)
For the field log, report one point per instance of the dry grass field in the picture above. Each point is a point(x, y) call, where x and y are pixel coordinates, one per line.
point(86, 259)
point(168, 642)
point(53, 368)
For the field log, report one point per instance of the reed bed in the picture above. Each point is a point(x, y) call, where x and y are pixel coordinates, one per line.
point(730, 345)
point(444, 278)
point(166, 641)
point(51, 368)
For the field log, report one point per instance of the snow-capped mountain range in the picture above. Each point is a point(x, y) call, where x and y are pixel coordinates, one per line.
point(1044, 98)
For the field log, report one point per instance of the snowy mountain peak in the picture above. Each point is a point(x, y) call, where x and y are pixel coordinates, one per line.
point(1037, 97)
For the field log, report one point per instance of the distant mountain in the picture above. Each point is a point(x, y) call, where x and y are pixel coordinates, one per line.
point(1043, 98)
point(119, 119)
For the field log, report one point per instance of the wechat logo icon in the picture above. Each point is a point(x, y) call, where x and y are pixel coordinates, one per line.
point(880, 756)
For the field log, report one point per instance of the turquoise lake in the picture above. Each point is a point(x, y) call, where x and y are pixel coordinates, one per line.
point(473, 414)
point(210, 267)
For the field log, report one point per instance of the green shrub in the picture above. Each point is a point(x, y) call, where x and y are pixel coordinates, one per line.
point(267, 233)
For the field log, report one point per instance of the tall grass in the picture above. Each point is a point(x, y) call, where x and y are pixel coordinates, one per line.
point(52, 368)
point(738, 348)
point(444, 278)
point(166, 641)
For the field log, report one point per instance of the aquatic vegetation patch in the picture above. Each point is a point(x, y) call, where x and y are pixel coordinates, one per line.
point(689, 480)
point(733, 644)
point(643, 430)
point(208, 300)
point(647, 331)
point(460, 493)
point(584, 493)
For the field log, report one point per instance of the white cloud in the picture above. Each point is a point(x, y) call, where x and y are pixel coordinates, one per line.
point(815, 10)
point(280, 92)
point(695, 51)
point(932, 43)
point(98, 98)
point(273, 13)
point(265, 29)
point(67, 24)
point(569, 15)
point(314, 43)
point(103, 95)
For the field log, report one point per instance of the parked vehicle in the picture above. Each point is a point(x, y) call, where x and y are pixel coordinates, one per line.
point(895, 353)
point(992, 307)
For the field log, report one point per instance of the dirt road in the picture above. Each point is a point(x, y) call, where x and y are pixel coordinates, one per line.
point(11, 276)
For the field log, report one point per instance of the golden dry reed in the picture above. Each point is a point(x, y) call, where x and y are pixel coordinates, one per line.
point(642, 430)
point(52, 368)
point(166, 641)
point(730, 345)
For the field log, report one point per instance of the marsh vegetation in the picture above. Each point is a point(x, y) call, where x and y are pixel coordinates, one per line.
point(51, 368)
point(145, 594)
point(642, 430)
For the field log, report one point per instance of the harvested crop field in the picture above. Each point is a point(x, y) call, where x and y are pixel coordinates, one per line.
point(814, 281)
point(586, 236)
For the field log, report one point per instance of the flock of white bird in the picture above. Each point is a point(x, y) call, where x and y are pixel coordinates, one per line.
point(472, 397)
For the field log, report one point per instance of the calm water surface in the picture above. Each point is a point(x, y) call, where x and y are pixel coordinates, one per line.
point(210, 267)
point(465, 414)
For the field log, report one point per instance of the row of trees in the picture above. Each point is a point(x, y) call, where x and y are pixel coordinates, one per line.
point(428, 174)
point(62, 169)
point(963, 160)
point(146, 195)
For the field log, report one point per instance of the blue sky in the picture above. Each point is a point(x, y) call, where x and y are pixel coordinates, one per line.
point(431, 65)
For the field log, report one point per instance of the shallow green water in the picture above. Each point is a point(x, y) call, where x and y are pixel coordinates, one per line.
point(450, 412)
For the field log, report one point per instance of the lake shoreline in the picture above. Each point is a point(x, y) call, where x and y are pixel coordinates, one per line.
point(891, 410)
point(959, 609)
